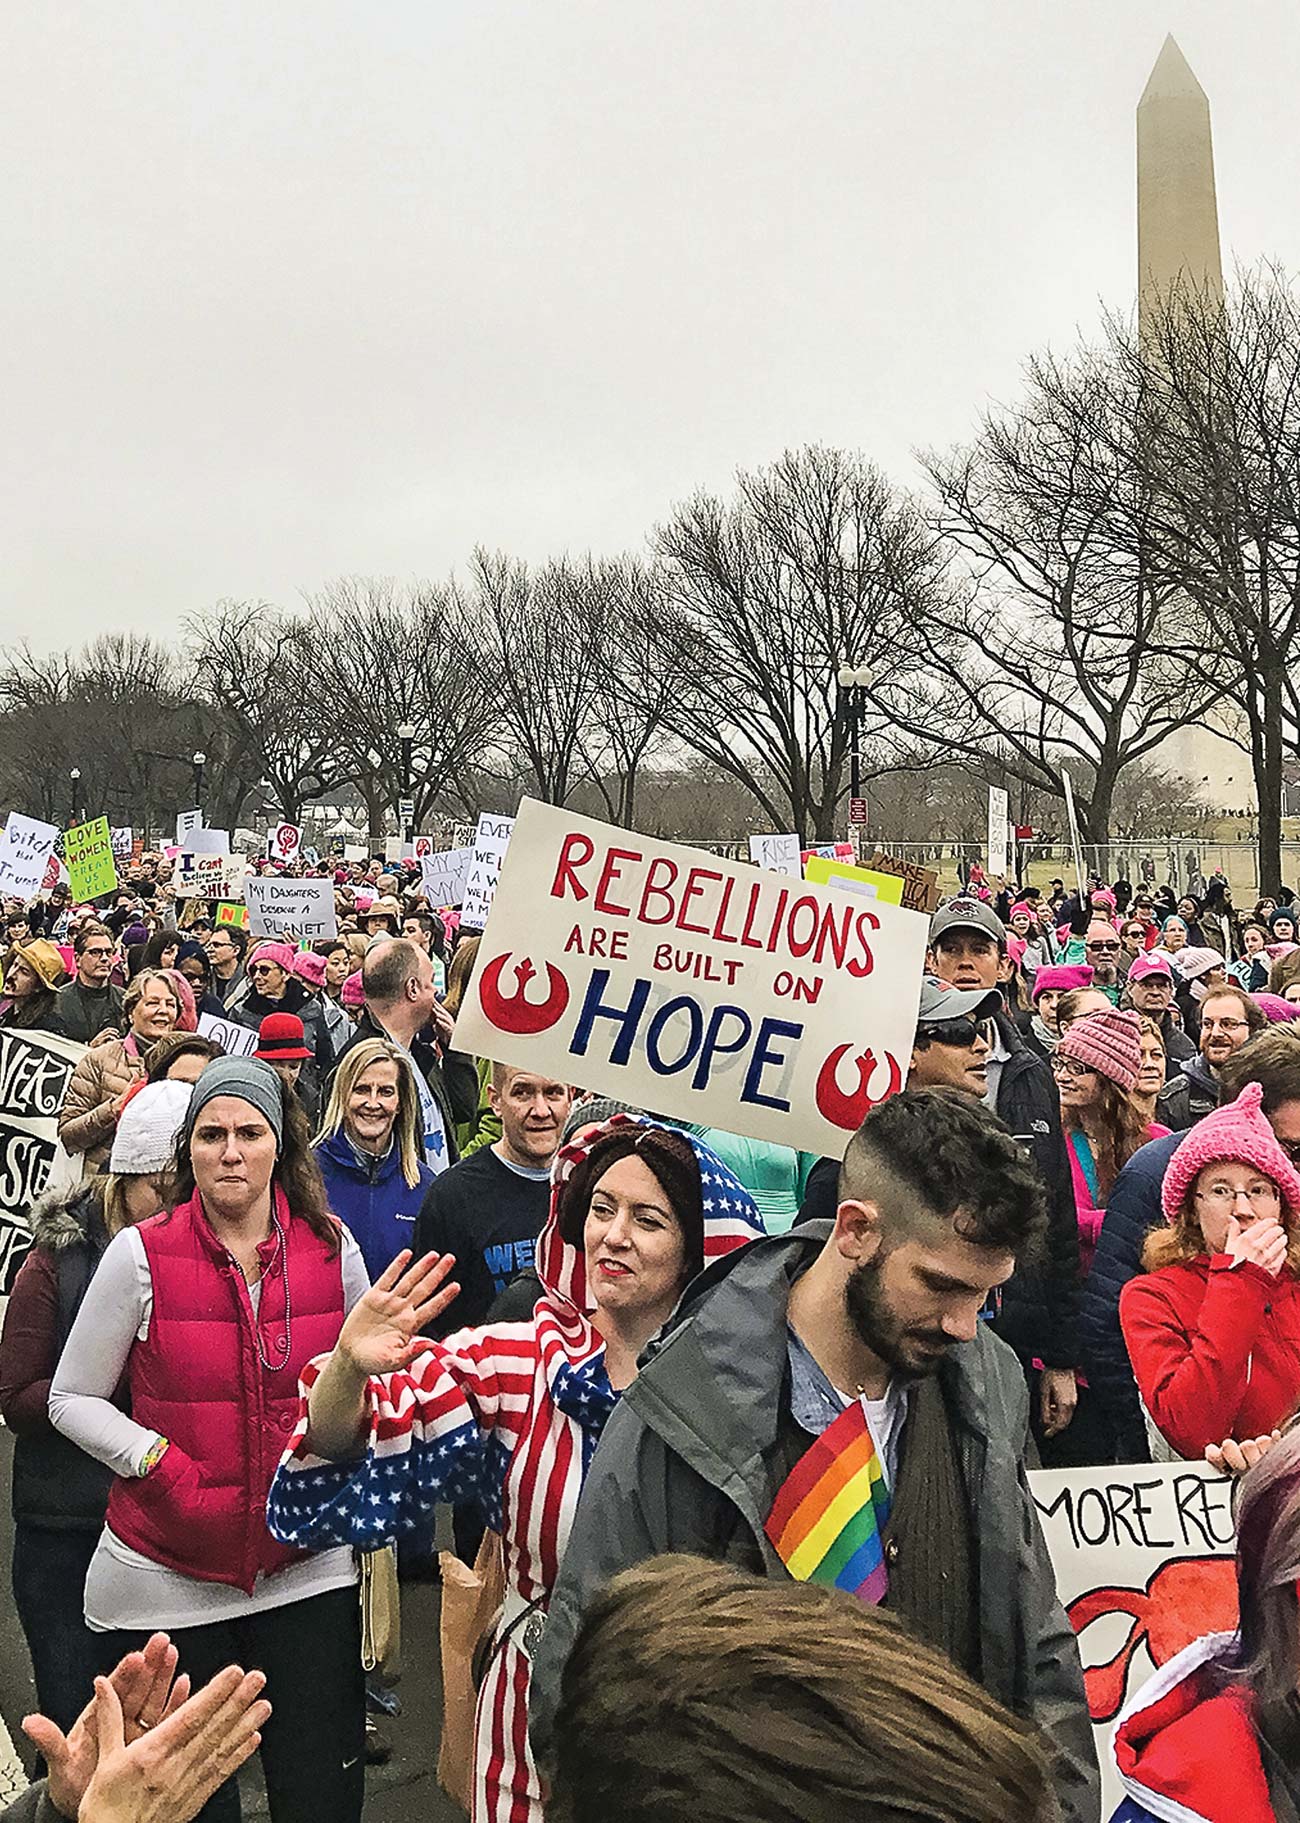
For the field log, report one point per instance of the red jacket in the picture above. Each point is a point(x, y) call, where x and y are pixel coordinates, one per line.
point(197, 1379)
point(1215, 1349)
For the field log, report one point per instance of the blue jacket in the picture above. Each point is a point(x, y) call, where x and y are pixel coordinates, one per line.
point(1132, 1211)
point(372, 1199)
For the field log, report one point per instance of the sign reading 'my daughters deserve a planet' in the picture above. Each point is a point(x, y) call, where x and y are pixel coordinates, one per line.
point(692, 985)
point(294, 909)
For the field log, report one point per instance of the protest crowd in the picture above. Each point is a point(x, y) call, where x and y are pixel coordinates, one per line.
point(729, 1437)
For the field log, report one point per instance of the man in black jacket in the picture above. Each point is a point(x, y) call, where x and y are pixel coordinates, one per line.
point(1039, 1303)
point(1149, 990)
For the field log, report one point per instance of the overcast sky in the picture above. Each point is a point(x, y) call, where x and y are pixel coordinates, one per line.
point(292, 290)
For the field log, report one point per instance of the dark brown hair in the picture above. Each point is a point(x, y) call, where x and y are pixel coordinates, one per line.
point(665, 1152)
point(296, 1171)
point(694, 1692)
point(1268, 1568)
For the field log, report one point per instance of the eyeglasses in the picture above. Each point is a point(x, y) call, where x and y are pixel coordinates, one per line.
point(1260, 1196)
point(1224, 1025)
point(99, 951)
point(1070, 1067)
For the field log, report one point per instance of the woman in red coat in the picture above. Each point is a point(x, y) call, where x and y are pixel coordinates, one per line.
point(1213, 1326)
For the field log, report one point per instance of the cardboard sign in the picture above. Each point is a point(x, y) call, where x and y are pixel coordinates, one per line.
point(284, 842)
point(692, 985)
point(233, 914)
point(123, 841)
point(209, 876)
point(999, 804)
point(859, 880)
point(1075, 844)
point(35, 1069)
point(26, 851)
point(444, 875)
point(488, 851)
point(236, 1040)
point(291, 908)
point(920, 885)
point(1143, 1562)
point(88, 853)
point(778, 854)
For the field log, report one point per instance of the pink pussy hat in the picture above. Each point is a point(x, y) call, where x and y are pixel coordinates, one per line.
point(352, 993)
point(1238, 1134)
point(1110, 1043)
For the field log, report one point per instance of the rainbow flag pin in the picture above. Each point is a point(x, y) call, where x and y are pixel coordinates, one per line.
point(826, 1522)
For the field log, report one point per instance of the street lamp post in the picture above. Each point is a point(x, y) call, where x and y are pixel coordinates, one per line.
point(75, 776)
point(406, 735)
point(853, 680)
point(198, 761)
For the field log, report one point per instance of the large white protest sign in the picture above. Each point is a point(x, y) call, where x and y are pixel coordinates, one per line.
point(207, 842)
point(487, 852)
point(444, 875)
point(1067, 785)
point(999, 805)
point(290, 908)
point(186, 821)
point(1143, 1562)
point(209, 876)
point(25, 850)
point(778, 854)
point(693, 985)
point(236, 1040)
point(35, 1068)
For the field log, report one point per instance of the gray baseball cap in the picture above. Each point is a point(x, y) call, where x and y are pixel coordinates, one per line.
point(963, 913)
point(939, 1002)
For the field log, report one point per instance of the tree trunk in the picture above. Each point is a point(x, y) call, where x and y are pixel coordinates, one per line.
point(1267, 756)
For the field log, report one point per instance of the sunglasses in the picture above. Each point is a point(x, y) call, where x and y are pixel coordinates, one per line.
point(960, 1032)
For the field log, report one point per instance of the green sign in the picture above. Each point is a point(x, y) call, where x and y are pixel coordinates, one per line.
point(88, 856)
point(232, 914)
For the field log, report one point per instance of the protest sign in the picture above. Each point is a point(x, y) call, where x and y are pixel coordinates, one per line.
point(35, 1068)
point(1143, 1562)
point(355, 851)
point(209, 876)
point(205, 841)
point(920, 885)
point(444, 875)
point(26, 850)
point(831, 851)
point(88, 852)
point(236, 1040)
point(693, 985)
point(488, 850)
point(423, 847)
point(233, 914)
point(997, 833)
point(123, 841)
point(185, 822)
point(290, 908)
point(284, 842)
point(778, 854)
point(462, 834)
point(854, 879)
point(1077, 847)
point(394, 848)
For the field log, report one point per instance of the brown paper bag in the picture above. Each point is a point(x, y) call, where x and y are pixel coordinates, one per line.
point(471, 1602)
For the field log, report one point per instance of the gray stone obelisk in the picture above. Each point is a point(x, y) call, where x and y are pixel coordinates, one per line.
point(1178, 253)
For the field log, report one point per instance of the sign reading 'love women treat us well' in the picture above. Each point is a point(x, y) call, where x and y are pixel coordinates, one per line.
point(691, 985)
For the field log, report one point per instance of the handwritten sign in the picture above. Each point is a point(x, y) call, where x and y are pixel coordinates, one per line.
point(852, 879)
point(487, 852)
point(284, 842)
point(693, 985)
point(444, 875)
point(997, 832)
point(26, 850)
point(186, 821)
point(123, 840)
point(778, 854)
point(291, 908)
point(920, 884)
point(233, 914)
point(1143, 1562)
point(209, 876)
point(236, 1040)
point(35, 1069)
point(88, 853)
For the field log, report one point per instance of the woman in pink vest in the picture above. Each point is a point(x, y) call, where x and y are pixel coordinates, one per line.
point(205, 1317)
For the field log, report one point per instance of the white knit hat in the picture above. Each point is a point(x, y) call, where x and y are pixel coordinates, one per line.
point(146, 1134)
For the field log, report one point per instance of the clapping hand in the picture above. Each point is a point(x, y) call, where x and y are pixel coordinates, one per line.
point(382, 1330)
point(146, 1695)
point(1262, 1243)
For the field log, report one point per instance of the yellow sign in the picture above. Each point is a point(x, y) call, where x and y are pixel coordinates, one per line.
point(88, 857)
point(822, 871)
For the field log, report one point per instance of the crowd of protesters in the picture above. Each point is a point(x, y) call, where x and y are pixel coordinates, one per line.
point(280, 1305)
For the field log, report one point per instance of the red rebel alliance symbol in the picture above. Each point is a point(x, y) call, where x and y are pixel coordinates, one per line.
point(516, 1013)
point(849, 1111)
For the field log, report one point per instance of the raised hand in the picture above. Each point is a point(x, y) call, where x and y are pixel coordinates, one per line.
point(382, 1331)
point(1262, 1243)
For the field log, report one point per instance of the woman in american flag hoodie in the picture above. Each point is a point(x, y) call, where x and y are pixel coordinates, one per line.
point(508, 1416)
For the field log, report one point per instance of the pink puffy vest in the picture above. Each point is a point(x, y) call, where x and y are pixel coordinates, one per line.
point(197, 1379)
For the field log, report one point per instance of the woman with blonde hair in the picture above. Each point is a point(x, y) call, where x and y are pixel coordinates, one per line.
point(154, 1006)
point(370, 1150)
point(1212, 1326)
point(1151, 1071)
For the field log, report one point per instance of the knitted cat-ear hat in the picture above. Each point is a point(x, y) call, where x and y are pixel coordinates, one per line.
point(1238, 1134)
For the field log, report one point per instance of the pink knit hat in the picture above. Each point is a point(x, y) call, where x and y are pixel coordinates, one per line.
point(352, 994)
point(1110, 1043)
point(1238, 1133)
point(309, 968)
point(282, 954)
point(1275, 1009)
point(1062, 980)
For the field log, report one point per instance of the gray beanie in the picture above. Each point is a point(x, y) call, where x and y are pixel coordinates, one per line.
point(253, 1082)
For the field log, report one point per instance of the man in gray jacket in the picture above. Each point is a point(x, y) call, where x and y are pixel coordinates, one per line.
point(859, 1335)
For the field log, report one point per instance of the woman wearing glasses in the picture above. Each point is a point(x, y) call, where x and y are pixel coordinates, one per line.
point(1097, 1067)
point(1213, 1325)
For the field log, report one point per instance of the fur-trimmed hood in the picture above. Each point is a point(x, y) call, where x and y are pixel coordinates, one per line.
point(64, 1218)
